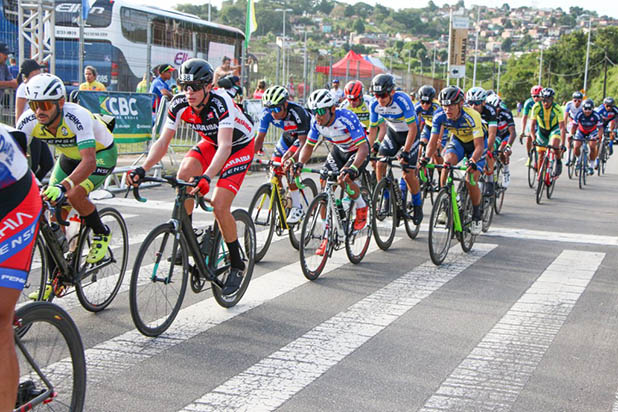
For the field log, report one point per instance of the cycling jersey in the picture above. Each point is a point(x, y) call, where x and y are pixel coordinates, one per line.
point(588, 124)
point(398, 114)
point(505, 121)
point(489, 115)
point(427, 114)
point(13, 162)
point(572, 110)
point(467, 127)
point(346, 132)
point(362, 111)
point(547, 119)
point(297, 122)
point(528, 104)
point(607, 115)
point(219, 112)
point(78, 129)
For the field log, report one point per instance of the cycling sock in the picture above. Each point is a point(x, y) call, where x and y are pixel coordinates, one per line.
point(416, 199)
point(360, 202)
point(93, 221)
point(235, 259)
point(476, 212)
point(295, 195)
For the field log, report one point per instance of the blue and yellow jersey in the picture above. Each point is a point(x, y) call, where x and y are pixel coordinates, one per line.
point(547, 119)
point(428, 114)
point(467, 127)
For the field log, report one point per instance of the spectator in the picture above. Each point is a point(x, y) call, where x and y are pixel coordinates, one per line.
point(291, 88)
point(159, 87)
point(142, 87)
point(225, 69)
point(91, 83)
point(300, 91)
point(29, 69)
point(519, 106)
point(6, 80)
point(261, 88)
point(13, 68)
point(337, 91)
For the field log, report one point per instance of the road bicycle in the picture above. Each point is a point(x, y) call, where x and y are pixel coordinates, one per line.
point(270, 206)
point(162, 267)
point(61, 262)
point(570, 158)
point(499, 188)
point(581, 162)
point(604, 150)
point(330, 220)
point(390, 207)
point(451, 216)
point(533, 160)
point(50, 354)
point(546, 179)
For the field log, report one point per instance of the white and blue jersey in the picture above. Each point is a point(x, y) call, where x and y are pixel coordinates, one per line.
point(572, 110)
point(587, 125)
point(607, 115)
point(297, 122)
point(13, 162)
point(398, 114)
point(346, 132)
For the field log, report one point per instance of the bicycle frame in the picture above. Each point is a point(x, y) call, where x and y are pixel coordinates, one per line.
point(450, 183)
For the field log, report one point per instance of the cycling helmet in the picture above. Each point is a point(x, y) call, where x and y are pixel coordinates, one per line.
point(225, 82)
point(451, 95)
point(45, 86)
point(321, 99)
point(588, 104)
point(536, 90)
point(354, 89)
point(548, 93)
point(196, 70)
point(577, 95)
point(476, 94)
point(608, 101)
point(383, 83)
point(426, 93)
point(494, 100)
point(274, 96)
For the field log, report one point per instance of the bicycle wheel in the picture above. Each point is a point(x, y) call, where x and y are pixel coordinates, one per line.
point(488, 204)
point(264, 217)
point(357, 241)
point(466, 238)
point(440, 227)
point(306, 195)
point(314, 232)
point(158, 280)
point(532, 172)
point(35, 284)
point(411, 229)
point(220, 259)
point(581, 166)
point(50, 353)
point(100, 282)
point(499, 190)
point(571, 163)
point(541, 182)
point(384, 214)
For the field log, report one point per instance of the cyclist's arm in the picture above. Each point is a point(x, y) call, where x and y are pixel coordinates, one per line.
point(562, 133)
point(259, 141)
point(532, 128)
point(302, 138)
point(524, 120)
point(479, 148)
point(412, 131)
point(305, 153)
point(224, 149)
point(361, 155)
point(491, 135)
point(512, 135)
point(381, 131)
point(84, 169)
point(159, 148)
point(573, 127)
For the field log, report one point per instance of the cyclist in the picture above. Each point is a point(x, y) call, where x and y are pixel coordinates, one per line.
point(505, 136)
point(476, 98)
point(19, 219)
point(87, 152)
point(226, 148)
point(467, 140)
point(535, 96)
point(572, 109)
point(549, 117)
point(585, 126)
point(427, 108)
point(349, 155)
point(295, 122)
point(609, 112)
point(397, 110)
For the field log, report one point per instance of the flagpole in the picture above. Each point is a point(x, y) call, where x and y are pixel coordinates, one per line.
point(81, 42)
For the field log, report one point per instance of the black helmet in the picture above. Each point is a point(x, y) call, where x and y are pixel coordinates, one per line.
point(426, 93)
point(577, 95)
point(608, 101)
point(548, 93)
point(225, 82)
point(196, 70)
point(588, 104)
point(383, 83)
point(451, 95)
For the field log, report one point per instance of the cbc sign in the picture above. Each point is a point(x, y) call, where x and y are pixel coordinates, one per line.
point(121, 106)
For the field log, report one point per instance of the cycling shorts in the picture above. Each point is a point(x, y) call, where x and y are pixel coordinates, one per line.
point(426, 135)
point(278, 155)
point(19, 226)
point(462, 150)
point(338, 160)
point(544, 136)
point(393, 141)
point(235, 168)
point(579, 135)
point(106, 162)
point(286, 142)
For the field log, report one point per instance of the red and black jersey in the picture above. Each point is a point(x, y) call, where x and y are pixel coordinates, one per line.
point(220, 111)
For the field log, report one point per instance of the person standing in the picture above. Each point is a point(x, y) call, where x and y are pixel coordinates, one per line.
point(91, 83)
point(225, 69)
point(159, 87)
point(13, 67)
point(7, 81)
point(337, 92)
point(261, 88)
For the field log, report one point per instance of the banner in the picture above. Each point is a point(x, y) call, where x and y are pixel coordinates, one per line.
point(458, 42)
point(133, 112)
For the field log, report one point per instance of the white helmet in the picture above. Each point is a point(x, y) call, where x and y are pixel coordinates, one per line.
point(494, 100)
point(45, 86)
point(320, 99)
point(476, 94)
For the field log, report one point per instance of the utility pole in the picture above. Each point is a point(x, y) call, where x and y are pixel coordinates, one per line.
point(476, 44)
point(433, 64)
point(541, 66)
point(605, 76)
point(209, 6)
point(283, 69)
point(587, 53)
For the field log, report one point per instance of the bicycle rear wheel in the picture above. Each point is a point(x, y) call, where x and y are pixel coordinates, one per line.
point(306, 196)
point(532, 172)
point(158, 280)
point(440, 227)
point(220, 258)
point(99, 286)
point(357, 241)
point(314, 232)
point(488, 204)
point(49, 349)
point(384, 217)
point(466, 238)
point(499, 190)
point(264, 217)
point(35, 284)
point(571, 164)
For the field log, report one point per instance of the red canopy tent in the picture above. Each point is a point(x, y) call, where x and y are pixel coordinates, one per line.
point(349, 65)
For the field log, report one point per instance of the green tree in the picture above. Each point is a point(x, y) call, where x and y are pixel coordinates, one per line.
point(359, 26)
point(506, 44)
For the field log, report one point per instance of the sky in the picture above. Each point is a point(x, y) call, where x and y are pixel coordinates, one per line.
point(609, 8)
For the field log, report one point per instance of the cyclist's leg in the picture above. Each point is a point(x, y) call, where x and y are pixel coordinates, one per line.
point(195, 162)
point(542, 140)
point(454, 152)
point(594, 147)
point(554, 141)
point(389, 147)
point(578, 139)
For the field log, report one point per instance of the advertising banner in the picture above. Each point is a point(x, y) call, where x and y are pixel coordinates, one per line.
point(458, 42)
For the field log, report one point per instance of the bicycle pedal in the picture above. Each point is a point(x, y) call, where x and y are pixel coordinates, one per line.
point(26, 392)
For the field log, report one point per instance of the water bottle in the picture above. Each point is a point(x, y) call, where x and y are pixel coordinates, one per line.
point(404, 190)
point(73, 231)
point(60, 237)
point(340, 209)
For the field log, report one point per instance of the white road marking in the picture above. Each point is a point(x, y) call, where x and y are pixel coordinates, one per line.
point(552, 236)
point(496, 371)
point(269, 383)
point(165, 205)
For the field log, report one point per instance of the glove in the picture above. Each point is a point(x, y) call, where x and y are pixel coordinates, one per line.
point(376, 146)
point(139, 172)
point(203, 183)
point(472, 166)
point(507, 148)
point(298, 167)
point(405, 156)
point(490, 155)
point(55, 193)
point(352, 171)
point(563, 148)
point(424, 161)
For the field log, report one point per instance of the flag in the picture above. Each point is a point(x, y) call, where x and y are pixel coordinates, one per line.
point(251, 25)
point(85, 9)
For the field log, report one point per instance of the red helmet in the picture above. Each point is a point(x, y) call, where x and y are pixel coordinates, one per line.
point(353, 90)
point(536, 90)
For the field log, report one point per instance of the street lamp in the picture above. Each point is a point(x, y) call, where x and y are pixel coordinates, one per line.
point(283, 44)
point(587, 52)
point(476, 44)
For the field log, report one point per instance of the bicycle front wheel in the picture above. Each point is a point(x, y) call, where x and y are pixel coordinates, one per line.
point(220, 259)
point(314, 238)
point(499, 190)
point(440, 227)
point(51, 359)
point(532, 172)
point(306, 196)
point(466, 238)
point(264, 217)
point(159, 280)
point(357, 241)
point(541, 182)
point(384, 208)
point(99, 283)
point(35, 284)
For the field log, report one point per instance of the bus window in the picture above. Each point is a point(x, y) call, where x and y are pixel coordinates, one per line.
point(134, 25)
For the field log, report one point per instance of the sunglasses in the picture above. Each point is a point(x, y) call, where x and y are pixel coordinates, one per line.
point(352, 98)
point(548, 100)
point(381, 95)
point(320, 111)
point(193, 86)
point(44, 105)
point(475, 102)
point(276, 109)
point(425, 102)
point(577, 100)
point(587, 109)
point(534, 96)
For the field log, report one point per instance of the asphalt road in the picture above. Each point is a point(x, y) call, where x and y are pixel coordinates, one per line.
point(528, 321)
